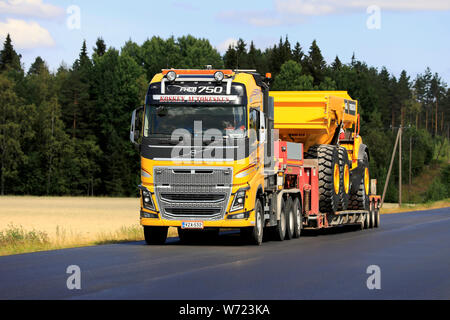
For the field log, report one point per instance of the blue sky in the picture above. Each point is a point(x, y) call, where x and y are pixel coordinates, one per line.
point(412, 34)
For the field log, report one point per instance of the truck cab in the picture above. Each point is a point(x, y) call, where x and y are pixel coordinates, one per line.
point(202, 148)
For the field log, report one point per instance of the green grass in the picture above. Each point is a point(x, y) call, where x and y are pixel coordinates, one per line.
point(15, 240)
point(418, 207)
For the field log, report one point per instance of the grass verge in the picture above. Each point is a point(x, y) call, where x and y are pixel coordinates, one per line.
point(17, 240)
point(418, 207)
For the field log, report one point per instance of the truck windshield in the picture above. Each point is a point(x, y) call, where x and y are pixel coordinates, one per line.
point(164, 120)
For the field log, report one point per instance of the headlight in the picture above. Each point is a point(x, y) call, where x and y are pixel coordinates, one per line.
point(147, 200)
point(171, 76)
point(239, 201)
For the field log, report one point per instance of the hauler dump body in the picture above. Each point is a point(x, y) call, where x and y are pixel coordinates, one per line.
point(220, 150)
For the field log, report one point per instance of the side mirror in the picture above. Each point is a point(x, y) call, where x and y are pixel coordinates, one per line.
point(135, 125)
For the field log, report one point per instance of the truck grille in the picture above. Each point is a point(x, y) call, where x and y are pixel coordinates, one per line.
point(193, 193)
point(192, 197)
point(193, 212)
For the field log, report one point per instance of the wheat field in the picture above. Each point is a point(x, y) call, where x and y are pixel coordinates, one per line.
point(68, 221)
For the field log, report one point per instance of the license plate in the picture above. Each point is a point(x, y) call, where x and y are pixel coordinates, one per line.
point(192, 225)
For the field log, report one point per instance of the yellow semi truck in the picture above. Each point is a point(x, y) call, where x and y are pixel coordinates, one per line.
point(219, 150)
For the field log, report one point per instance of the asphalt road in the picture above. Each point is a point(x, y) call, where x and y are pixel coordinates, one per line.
point(411, 249)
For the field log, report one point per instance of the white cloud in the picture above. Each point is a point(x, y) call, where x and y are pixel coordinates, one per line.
point(31, 8)
point(291, 12)
point(223, 47)
point(324, 7)
point(26, 35)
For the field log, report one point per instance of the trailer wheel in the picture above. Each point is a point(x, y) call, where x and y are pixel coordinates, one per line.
point(372, 215)
point(290, 221)
point(344, 167)
point(329, 176)
point(359, 200)
point(280, 229)
point(155, 235)
point(377, 218)
point(254, 235)
point(298, 226)
point(366, 221)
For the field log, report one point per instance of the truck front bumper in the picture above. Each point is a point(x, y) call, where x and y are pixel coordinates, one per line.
point(224, 223)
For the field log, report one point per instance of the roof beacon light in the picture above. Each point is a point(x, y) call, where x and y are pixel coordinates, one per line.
point(219, 76)
point(171, 76)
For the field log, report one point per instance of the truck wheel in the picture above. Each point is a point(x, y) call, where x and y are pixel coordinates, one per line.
point(298, 226)
point(360, 199)
point(280, 229)
point(155, 235)
point(344, 167)
point(254, 235)
point(329, 176)
point(290, 221)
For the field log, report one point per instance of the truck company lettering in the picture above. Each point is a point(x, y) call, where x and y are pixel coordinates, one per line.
point(194, 98)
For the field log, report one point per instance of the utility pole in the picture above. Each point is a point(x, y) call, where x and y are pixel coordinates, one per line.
point(390, 169)
point(410, 167)
point(400, 169)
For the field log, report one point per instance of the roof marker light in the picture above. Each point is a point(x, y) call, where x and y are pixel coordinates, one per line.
point(171, 76)
point(219, 76)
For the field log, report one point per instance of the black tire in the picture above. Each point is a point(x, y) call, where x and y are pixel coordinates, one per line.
point(254, 235)
point(377, 218)
point(290, 219)
point(297, 208)
point(372, 216)
point(344, 166)
point(367, 220)
point(328, 157)
point(359, 200)
point(280, 229)
point(155, 235)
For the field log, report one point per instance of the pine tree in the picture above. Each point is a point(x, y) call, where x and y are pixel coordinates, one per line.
point(9, 57)
point(316, 64)
point(37, 67)
point(297, 54)
point(337, 64)
point(100, 47)
point(230, 58)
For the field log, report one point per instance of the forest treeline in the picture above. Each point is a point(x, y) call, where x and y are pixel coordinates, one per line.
point(66, 132)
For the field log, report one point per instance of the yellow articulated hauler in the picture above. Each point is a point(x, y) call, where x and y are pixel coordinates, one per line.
point(219, 151)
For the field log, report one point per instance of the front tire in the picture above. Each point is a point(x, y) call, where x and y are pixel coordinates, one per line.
point(254, 235)
point(155, 235)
